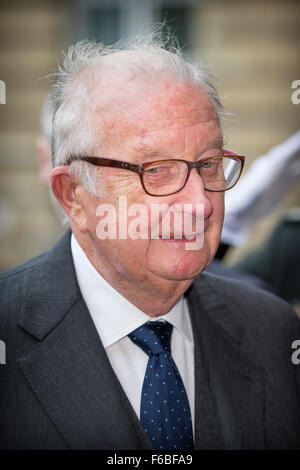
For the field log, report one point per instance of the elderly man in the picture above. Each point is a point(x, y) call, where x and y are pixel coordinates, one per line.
point(113, 341)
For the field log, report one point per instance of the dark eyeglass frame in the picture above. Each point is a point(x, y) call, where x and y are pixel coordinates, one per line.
point(139, 168)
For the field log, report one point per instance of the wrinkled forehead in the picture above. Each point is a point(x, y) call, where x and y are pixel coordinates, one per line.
point(171, 103)
point(144, 111)
point(162, 97)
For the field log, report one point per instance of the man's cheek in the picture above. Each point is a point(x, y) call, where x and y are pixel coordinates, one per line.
point(217, 201)
point(131, 256)
point(128, 185)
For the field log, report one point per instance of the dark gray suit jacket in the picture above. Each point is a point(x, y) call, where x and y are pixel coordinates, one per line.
point(58, 390)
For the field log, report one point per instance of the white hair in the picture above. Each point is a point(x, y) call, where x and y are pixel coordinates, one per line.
point(74, 130)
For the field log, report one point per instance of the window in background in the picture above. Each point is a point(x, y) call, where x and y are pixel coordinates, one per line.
point(108, 20)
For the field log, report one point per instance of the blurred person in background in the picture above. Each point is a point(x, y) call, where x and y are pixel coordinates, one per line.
point(44, 159)
point(277, 262)
point(260, 190)
point(43, 143)
point(122, 343)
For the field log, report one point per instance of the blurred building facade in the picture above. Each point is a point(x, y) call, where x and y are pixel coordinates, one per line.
point(253, 47)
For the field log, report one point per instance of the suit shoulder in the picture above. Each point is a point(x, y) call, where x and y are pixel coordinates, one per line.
point(253, 306)
point(21, 269)
point(17, 284)
point(36, 264)
point(14, 285)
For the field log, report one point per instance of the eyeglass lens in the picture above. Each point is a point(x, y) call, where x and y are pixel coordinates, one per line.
point(218, 174)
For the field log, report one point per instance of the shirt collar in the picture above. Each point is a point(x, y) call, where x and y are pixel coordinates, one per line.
point(114, 316)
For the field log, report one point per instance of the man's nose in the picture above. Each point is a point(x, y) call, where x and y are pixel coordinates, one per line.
point(194, 193)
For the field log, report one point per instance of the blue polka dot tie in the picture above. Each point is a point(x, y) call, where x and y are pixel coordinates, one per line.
point(165, 411)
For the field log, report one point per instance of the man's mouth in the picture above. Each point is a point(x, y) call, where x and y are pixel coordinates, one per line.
point(185, 238)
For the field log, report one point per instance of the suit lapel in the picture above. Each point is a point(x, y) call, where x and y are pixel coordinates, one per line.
point(229, 387)
point(68, 370)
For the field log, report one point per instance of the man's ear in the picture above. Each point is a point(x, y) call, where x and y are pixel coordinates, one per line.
point(68, 192)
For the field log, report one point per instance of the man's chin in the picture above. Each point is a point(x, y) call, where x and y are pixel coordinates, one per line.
point(184, 268)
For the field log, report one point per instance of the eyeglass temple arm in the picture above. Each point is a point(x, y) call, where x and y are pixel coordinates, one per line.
point(98, 161)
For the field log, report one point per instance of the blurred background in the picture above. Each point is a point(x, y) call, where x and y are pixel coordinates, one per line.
point(253, 48)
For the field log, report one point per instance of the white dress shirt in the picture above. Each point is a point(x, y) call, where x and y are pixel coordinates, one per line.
point(115, 317)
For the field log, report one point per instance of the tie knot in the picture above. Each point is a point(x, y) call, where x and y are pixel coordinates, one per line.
point(154, 337)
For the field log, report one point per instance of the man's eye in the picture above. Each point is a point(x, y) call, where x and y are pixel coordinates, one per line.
point(153, 170)
point(159, 170)
point(208, 164)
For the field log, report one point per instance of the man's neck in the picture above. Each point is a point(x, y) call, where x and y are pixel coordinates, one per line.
point(151, 294)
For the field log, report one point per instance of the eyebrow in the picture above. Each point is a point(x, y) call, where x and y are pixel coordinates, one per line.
point(149, 152)
point(218, 142)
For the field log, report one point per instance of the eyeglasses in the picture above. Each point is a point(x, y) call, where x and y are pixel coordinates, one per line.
point(165, 177)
